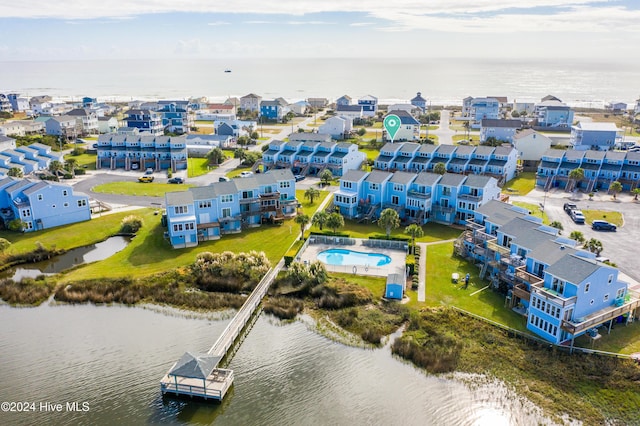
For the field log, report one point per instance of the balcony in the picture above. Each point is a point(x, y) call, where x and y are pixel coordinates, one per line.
point(249, 200)
point(493, 246)
point(513, 260)
point(416, 194)
point(473, 226)
point(270, 196)
point(520, 290)
point(443, 209)
point(601, 316)
point(526, 277)
point(551, 295)
point(469, 197)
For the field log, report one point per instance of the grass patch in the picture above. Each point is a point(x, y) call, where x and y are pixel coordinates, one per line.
point(198, 167)
point(534, 209)
point(84, 161)
point(236, 172)
point(308, 208)
point(609, 216)
point(28, 291)
point(371, 154)
point(138, 188)
point(524, 183)
point(432, 231)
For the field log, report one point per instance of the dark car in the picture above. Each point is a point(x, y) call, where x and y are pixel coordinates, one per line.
point(569, 207)
point(603, 225)
point(176, 179)
point(298, 178)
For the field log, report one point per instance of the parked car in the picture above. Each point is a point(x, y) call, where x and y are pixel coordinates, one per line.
point(577, 216)
point(569, 207)
point(149, 171)
point(135, 166)
point(298, 178)
point(223, 179)
point(603, 225)
point(145, 179)
point(246, 174)
point(176, 179)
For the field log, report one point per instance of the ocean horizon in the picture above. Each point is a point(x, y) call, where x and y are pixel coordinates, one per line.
point(445, 81)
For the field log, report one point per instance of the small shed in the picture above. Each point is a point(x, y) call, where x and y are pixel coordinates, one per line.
point(395, 286)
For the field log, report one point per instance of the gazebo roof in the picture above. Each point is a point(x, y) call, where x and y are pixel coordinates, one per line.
point(196, 366)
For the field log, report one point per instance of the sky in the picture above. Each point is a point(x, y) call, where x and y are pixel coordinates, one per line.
point(601, 30)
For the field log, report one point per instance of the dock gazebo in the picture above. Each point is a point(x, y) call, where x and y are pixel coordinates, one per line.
point(196, 375)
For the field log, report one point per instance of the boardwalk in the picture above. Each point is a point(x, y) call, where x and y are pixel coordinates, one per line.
point(198, 374)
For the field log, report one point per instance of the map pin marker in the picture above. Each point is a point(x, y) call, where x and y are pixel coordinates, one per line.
point(392, 125)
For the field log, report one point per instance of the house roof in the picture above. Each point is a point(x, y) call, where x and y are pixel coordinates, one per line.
point(465, 150)
point(504, 124)
point(279, 174)
point(572, 268)
point(179, 198)
point(519, 228)
point(391, 147)
point(549, 251)
point(409, 147)
point(446, 149)
point(79, 112)
point(572, 154)
point(427, 179)
point(427, 148)
point(418, 98)
point(499, 213)
point(395, 279)
point(354, 175)
point(251, 96)
point(6, 139)
point(367, 98)
point(349, 108)
point(196, 366)
point(270, 103)
point(502, 99)
point(378, 176)
point(317, 137)
point(503, 150)
point(524, 133)
point(405, 117)
point(478, 181)
point(203, 192)
point(347, 97)
point(403, 178)
point(484, 151)
point(35, 188)
point(452, 179)
point(615, 155)
point(597, 127)
point(550, 98)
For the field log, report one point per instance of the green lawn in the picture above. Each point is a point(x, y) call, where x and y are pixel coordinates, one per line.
point(624, 339)
point(85, 161)
point(236, 172)
point(371, 154)
point(521, 185)
point(440, 290)
point(432, 231)
point(534, 209)
point(375, 284)
point(150, 189)
point(308, 208)
point(198, 167)
point(72, 236)
point(609, 216)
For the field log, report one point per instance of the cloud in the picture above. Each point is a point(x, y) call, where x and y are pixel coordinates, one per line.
point(361, 24)
point(258, 22)
point(310, 23)
point(218, 23)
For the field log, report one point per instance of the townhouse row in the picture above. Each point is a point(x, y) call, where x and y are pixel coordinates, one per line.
point(417, 197)
point(141, 151)
point(27, 158)
point(312, 153)
point(207, 212)
point(601, 168)
point(562, 291)
point(499, 162)
point(41, 204)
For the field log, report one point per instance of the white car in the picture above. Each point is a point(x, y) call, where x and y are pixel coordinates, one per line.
point(246, 174)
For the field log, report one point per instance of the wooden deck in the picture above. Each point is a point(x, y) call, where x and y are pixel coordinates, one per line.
point(215, 387)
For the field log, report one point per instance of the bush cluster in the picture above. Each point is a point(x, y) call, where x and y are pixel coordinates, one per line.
point(228, 271)
point(131, 224)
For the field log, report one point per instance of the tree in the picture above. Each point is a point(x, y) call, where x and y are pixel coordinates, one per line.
point(311, 194)
point(594, 246)
point(251, 157)
point(56, 167)
point(577, 236)
point(243, 140)
point(415, 231)
point(615, 188)
point(215, 156)
point(362, 131)
point(70, 165)
point(635, 192)
point(302, 220)
point(16, 225)
point(326, 176)
point(255, 135)
point(577, 175)
point(320, 219)
point(239, 153)
point(556, 224)
point(440, 168)
point(389, 220)
point(131, 224)
point(335, 221)
point(4, 244)
point(15, 172)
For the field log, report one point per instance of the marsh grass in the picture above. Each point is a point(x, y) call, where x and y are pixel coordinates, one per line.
point(27, 291)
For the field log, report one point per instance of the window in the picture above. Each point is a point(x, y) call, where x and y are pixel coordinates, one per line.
point(26, 213)
point(65, 205)
point(181, 209)
point(226, 198)
point(395, 200)
point(398, 187)
point(347, 184)
point(188, 226)
point(177, 227)
point(40, 197)
point(28, 225)
point(620, 293)
point(374, 186)
point(586, 287)
point(53, 206)
point(286, 184)
point(591, 302)
point(82, 203)
point(446, 190)
point(204, 204)
point(226, 212)
point(605, 298)
point(610, 280)
point(65, 192)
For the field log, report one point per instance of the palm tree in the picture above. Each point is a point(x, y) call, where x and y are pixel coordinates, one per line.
point(556, 224)
point(320, 219)
point(70, 165)
point(302, 220)
point(311, 194)
point(335, 221)
point(415, 231)
point(440, 168)
point(635, 192)
point(594, 246)
point(326, 176)
point(56, 167)
point(577, 175)
point(389, 220)
point(577, 236)
point(615, 188)
point(15, 172)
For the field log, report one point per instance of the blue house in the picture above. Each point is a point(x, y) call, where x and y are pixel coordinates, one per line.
point(41, 204)
point(482, 109)
point(343, 100)
point(176, 116)
point(419, 101)
point(145, 121)
point(272, 110)
point(562, 291)
point(395, 287)
point(207, 213)
point(553, 114)
point(595, 136)
point(502, 130)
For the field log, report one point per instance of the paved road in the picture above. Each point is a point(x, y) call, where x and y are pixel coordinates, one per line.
point(444, 133)
point(619, 246)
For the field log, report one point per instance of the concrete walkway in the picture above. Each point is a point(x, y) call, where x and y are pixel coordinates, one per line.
point(422, 272)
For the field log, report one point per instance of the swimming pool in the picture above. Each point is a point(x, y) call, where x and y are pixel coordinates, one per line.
point(350, 257)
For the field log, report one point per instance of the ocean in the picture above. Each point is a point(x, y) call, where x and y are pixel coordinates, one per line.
point(441, 81)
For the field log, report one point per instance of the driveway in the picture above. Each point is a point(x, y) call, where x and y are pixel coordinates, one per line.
point(444, 133)
point(619, 246)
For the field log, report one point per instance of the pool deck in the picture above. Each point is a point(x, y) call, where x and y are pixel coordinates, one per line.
point(397, 265)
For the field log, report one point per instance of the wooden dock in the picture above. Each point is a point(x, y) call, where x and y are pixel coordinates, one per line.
point(198, 375)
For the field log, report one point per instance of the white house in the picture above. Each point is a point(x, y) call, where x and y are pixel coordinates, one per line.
point(88, 118)
point(409, 127)
point(350, 111)
point(617, 107)
point(12, 128)
point(531, 145)
point(336, 126)
point(251, 102)
point(107, 124)
point(524, 106)
point(7, 143)
point(502, 130)
point(299, 108)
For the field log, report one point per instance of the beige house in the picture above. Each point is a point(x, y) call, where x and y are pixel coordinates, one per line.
point(531, 145)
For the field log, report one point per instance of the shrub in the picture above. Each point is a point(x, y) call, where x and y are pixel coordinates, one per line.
point(228, 271)
point(16, 225)
point(283, 307)
point(411, 263)
point(131, 224)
